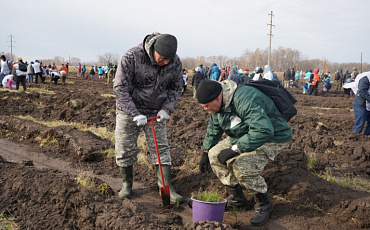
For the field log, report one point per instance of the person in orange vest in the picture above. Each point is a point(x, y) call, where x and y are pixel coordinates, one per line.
point(64, 68)
point(314, 82)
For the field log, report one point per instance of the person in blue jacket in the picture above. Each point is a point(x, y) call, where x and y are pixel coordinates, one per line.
point(214, 72)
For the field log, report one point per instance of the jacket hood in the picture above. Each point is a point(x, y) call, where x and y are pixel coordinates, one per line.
point(148, 42)
point(316, 71)
point(267, 69)
point(228, 90)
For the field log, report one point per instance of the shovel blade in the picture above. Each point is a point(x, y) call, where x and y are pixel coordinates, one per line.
point(165, 194)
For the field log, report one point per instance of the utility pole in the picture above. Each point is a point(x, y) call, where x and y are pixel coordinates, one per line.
point(11, 47)
point(361, 62)
point(270, 34)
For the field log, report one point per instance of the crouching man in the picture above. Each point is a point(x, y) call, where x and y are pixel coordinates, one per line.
point(256, 134)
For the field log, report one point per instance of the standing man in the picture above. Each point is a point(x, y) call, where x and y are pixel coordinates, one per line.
point(287, 77)
point(257, 133)
point(79, 70)
point(20, 73)
point(339, 79)
point(314, 83)
point(148, 83)
point(38, 72)
point(4, 67)
point(361, 105)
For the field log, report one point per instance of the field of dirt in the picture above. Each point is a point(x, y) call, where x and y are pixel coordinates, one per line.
point(39, 165)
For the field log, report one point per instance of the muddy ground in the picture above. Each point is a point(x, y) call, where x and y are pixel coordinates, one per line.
point(39, 165)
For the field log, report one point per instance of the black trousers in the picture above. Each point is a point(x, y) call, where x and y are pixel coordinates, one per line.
point(37, 75)
point(19, 80)
point(313, 89)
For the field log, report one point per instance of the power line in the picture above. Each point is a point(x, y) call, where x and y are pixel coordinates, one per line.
point(270, 34)
point(11, 46)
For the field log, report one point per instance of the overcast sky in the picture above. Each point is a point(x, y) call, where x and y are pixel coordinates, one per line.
point(337, 30)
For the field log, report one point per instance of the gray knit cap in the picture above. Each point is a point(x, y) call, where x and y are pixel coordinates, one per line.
point(166, 45)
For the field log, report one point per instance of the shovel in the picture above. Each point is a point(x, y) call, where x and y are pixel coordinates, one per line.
point(165, 189)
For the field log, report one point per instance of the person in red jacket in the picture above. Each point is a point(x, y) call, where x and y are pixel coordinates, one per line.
point(314, 82)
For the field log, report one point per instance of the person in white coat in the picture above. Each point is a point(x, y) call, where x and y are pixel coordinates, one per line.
point(4, 66)
point(38, 72)
point(267, 73)
point(9, 82)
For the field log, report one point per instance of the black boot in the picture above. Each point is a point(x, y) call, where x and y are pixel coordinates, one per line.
point(237, 199)
point(127, 180)
point(166, 169)
point(262, 209)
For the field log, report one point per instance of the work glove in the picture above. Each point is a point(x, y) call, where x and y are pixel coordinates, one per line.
point(140, 120)
point(225, 155)
point(204, 163)
point(163, 116)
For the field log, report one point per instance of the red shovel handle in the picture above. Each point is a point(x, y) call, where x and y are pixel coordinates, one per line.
point(151, 119)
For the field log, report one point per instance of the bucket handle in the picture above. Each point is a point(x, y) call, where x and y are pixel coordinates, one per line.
point(190, 203)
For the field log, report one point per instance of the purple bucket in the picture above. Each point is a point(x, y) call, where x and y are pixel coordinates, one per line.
point(211, 211)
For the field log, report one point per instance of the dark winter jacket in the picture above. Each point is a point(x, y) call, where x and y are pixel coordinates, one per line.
point(287, 75)
point(234, 76)
point(346, 76)
point(197, 77)
point(254, 128)
point(143, 87)
point(362, 93)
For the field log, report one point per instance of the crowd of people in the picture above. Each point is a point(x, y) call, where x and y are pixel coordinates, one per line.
point(149, 81)
point(13, 74)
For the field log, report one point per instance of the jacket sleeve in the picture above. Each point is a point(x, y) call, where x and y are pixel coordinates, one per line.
point(174, 89)
point(260, 126)
point(123, 80)
point(363, 87)
point(214, 133)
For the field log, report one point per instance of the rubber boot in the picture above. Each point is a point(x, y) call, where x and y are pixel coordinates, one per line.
point(262, 209)
point(127, 180)
point(166, 169)
point(237, 199)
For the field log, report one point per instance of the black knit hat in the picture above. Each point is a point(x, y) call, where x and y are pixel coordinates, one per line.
point(208, 91)
point(166, 45)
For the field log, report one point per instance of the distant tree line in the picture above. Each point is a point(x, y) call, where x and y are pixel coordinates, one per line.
point(281, 59)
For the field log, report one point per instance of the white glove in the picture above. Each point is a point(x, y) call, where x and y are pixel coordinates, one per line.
point(163, 116)
point(140, 120)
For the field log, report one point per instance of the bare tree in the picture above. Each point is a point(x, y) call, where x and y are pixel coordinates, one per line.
point(74, 60)
point(108, 58)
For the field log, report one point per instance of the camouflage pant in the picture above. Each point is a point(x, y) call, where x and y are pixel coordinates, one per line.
point(126, 135)
point(194, 91)
point(245, 168)
point(339, 85)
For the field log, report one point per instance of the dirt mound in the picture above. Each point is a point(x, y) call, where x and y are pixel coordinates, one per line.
point(51, 199)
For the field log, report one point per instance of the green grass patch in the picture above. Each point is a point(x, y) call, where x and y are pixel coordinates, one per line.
point(48, 140)
point(109, 152)
point(312, 162)
point(348, 180)
point(208, 196)
point(99, 131)
point(7, 223)
point(41, 91)
point(108, 95)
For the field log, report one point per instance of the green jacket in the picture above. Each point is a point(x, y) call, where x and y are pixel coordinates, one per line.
point(251, 126)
